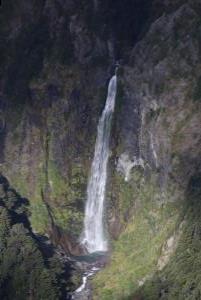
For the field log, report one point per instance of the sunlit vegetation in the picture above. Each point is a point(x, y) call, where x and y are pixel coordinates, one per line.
point(181, 278)
point(136, 252)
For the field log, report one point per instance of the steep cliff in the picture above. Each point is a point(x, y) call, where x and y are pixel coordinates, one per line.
point(57, 58)
point(52, 90)
point(154, 187)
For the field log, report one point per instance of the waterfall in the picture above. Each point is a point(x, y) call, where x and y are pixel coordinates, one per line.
point(93, 236)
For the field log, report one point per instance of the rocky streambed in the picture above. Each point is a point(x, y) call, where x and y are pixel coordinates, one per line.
point(89, 265)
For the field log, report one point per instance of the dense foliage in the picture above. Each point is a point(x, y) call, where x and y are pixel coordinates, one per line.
point(26, 272)
point(181, 278)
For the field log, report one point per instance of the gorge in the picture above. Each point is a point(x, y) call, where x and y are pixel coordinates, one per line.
point(89, 165)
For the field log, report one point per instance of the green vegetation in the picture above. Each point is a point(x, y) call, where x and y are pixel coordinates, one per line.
point(136, 252)
point(25, 271)
point(67, 198)
point(181, 278)
point(39, 214)
point(133, 272)
point(123, 191)
point(39, 217)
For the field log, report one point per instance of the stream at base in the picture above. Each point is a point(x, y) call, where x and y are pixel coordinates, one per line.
point(90, 264)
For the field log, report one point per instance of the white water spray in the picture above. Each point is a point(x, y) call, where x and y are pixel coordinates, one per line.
point(94, 237)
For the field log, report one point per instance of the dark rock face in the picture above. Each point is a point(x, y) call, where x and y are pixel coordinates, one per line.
point(157, 121)
point(171, 59)
point(55, 66)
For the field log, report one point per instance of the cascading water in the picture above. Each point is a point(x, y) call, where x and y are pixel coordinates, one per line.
point(93, 237)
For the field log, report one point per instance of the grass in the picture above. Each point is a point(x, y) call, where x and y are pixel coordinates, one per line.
point(181, 277)
point(136, 252)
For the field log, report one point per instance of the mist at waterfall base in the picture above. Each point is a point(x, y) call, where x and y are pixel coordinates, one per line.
point(94, 237)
